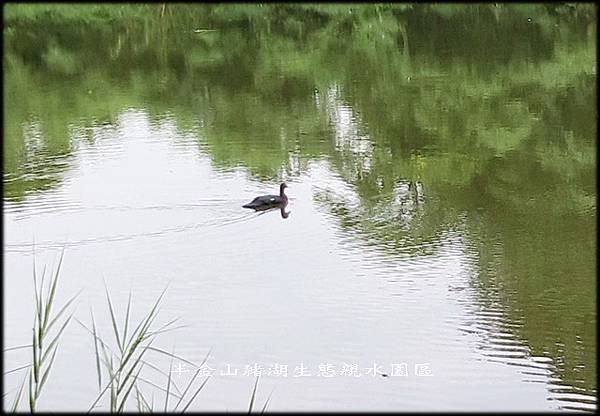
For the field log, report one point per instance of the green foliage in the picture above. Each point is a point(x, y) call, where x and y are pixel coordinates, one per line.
point(95, 13)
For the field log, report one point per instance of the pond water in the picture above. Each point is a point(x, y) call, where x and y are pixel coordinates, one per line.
point(441, 164)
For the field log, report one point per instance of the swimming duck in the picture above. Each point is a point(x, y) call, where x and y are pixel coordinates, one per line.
point(269, 201)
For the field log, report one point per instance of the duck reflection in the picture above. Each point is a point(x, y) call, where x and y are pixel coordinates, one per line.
point(281, 207)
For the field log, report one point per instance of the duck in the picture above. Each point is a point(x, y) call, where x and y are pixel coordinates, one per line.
point(269, 201)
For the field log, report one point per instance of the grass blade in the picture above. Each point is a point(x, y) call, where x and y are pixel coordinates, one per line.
point(6, 393)
point(42, 292)
point(47, 372)
point(267, 402)
point(31, 399)
point(36, 368)
point(129, 389)
point(163, 373)
point(63, 309)
point(253, 396)
point(38, 302)
point(136, 362)
point(97, 337)
point(171, 322)
point(50, 300)
point(13, 408)
point(139, 403)
point(195, 394)
point(187, 388)
point(141, 330)
point(113, 391)
point(113, 318)
point(126, 319)
point(39, 315)
point(160, 331)
point(38, 295)
point(152, 314)
point(158, 387)
point(17, 347)
point(96, 351)
point(108, 364)
point(55, 340)
point(144, 401)
point(141, 336)
point(17, 369)
point(168, 384)
point(165, 328)
point(173, 356)
point(193, 378)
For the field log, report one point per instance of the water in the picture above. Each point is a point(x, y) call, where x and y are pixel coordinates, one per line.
point(442, 211)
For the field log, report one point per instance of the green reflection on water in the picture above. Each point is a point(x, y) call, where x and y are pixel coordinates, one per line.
point(489, 110)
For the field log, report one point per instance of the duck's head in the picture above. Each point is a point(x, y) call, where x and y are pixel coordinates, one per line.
point(282, 187)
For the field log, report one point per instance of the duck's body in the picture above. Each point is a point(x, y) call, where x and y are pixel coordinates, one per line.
point(269, 201)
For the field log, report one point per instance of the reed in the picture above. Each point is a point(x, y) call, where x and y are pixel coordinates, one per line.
point(46, 333)
point(119, 363)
